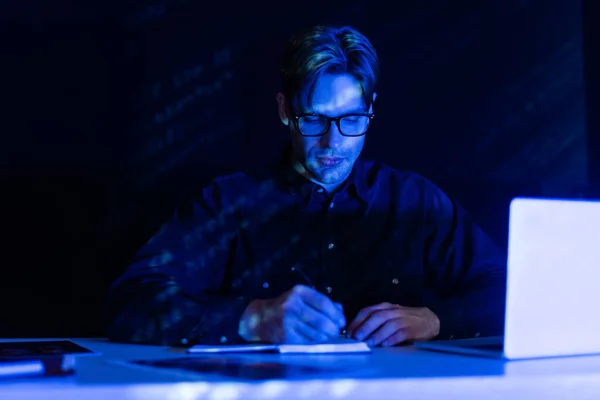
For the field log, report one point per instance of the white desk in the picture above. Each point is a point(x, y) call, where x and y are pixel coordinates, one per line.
point(398, 373)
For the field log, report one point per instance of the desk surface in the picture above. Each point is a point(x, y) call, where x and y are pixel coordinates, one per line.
point(386, 373)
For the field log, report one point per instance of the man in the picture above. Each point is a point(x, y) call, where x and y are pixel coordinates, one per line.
point(320, 243)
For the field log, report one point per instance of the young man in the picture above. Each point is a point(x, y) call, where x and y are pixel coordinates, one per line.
point(319, 243)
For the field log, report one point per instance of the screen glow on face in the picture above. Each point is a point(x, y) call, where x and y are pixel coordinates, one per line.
point(329, 158)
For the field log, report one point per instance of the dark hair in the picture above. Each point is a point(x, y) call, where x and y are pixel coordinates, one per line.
point(324, 49)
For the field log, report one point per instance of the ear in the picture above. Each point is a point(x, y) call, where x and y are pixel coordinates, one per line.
point(282, 108)
point(371, 107)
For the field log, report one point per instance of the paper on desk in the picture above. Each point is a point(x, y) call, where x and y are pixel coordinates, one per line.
point(341, 345)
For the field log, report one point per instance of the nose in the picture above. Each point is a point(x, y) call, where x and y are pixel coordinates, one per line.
point(333, 138)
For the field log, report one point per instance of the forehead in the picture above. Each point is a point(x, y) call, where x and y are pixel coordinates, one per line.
point(337, 94)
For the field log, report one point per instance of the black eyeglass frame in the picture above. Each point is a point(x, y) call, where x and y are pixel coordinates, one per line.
point(332, 119)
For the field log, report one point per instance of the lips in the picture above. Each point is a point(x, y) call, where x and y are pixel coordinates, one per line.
point(329, 161)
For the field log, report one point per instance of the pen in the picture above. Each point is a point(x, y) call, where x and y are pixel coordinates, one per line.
point(343, 332)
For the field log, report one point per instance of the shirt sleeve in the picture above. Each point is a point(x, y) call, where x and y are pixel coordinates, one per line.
point(466, 270)
point(170, 294)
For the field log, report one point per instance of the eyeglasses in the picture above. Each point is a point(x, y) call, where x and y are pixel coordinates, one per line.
point(317, 125)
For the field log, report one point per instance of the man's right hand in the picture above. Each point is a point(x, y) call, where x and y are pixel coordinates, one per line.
point(300, 315)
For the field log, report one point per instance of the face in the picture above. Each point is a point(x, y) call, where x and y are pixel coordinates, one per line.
point(328, 159)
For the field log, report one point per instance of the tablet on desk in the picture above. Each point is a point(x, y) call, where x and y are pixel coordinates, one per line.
point(242, 369)
point(39, 358)
point(34, 349)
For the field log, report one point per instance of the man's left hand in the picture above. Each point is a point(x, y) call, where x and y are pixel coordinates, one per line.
point(388, 324)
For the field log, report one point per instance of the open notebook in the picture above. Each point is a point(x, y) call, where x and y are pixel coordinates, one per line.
point(341, 345)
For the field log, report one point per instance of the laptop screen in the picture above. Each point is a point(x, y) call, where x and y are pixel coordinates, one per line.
point(553, 275)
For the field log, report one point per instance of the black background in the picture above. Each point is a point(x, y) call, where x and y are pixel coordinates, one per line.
point(112, 114)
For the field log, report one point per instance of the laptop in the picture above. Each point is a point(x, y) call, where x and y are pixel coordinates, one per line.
point(553, 284)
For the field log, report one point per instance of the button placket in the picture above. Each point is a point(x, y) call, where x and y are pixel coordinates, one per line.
point(333, 200)
point(329, 245)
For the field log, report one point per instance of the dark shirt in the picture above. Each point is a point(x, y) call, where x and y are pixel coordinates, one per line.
point(384, 236)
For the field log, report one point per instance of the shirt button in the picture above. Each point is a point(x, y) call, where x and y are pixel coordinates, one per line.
point(330, 246)
point(329, 289)
point(395, 281)
point(331, 204)
point(266, 285)
point(184, 341)
point(223, 339)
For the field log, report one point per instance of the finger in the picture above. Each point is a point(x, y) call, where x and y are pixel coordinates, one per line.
point(385, 331)
point(375, 320)
point(322, 304)
point(343, 330)
point(286, 332)
point(296, 331)
point(311, 334)
point(398, 337)
point(294, 336)
point(322, 324)
point(364, 314)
